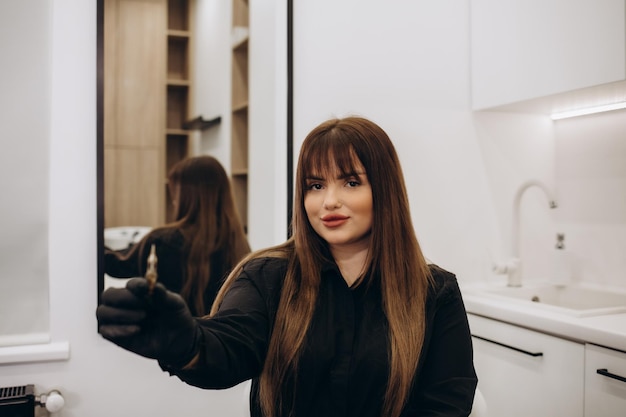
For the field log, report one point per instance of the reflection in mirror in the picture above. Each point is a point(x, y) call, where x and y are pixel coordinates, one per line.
point(194, 253)
point(147, 102)
point(137, 139)
point(145, 88)
point(134, 113)
point(160, 101)
point(121, 239)
point(24, 172)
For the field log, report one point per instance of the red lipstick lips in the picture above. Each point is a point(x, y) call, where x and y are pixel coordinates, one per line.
point(334, 220)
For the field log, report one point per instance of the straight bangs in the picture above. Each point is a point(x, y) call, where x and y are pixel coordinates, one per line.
point(331, 155)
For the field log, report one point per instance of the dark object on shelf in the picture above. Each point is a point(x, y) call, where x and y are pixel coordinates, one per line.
point(199, 123)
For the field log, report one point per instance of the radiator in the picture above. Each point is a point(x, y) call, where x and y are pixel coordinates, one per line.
point(17, 401)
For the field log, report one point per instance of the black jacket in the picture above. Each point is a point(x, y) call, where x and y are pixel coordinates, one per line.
point(344, 368)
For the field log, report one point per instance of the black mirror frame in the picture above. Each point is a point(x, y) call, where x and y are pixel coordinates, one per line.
point(100, 144)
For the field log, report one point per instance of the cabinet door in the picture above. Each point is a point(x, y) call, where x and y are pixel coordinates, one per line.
point(525, 49)
point(605, 382)
point(526, 373)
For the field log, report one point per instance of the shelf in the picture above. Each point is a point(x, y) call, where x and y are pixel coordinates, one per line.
point(178, 15)
point(240, 42)
point(177, 58)
point(177, 102)
point(179, 34)
point(179, 90)
point(239, 36)
point(240, 75)
point(178, 83)
point(240, 107)
point(177, 132)
point(240, 191)
point(240, 45)
point(241, 13)
point(239, 142)
point(199, 123)
point(177, 149)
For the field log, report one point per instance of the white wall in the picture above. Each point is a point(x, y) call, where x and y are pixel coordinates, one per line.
point(403, 64)
point(516, 148)
point(591, 179)
point(211, 74)
point(406, 66)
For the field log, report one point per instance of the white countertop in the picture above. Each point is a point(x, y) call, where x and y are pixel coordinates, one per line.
point(607, 330)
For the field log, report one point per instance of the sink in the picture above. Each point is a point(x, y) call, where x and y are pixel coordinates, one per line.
point(573, 299)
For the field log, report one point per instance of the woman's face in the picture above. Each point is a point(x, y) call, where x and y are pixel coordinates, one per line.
point(340, 209)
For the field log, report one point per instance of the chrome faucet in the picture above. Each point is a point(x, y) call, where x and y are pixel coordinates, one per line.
point(513, 267)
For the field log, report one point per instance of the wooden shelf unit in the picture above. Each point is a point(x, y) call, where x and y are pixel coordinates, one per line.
point(148, 85)
point(239, 107)
point(179, 89)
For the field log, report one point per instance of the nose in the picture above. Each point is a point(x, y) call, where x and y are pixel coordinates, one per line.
point(331, 198)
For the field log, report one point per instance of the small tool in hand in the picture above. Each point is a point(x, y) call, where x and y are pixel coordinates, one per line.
point(151, 271)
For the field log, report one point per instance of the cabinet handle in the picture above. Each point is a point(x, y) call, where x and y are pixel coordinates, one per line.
point(605, 372)
point(525, 352)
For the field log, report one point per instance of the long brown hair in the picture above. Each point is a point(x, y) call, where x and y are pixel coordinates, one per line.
point(394, 256)
point(206, 214)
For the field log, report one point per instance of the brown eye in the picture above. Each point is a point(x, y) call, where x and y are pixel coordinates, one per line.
point(314, 186)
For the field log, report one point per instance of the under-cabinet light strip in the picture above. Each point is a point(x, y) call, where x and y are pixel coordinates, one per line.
point(589, 110)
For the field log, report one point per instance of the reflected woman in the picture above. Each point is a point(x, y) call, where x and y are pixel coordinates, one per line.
point(198, 249)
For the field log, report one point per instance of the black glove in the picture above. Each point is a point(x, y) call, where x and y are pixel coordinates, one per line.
point(157, 325)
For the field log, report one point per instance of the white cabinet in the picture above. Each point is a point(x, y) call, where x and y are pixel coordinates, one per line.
point(526, 373)
point(605, 382)
point(527, 49)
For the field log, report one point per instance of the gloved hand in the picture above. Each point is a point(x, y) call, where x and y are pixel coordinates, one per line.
point(157, 326)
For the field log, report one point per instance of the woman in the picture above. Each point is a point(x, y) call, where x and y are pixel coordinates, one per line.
point(203, 244)
point(346, 318)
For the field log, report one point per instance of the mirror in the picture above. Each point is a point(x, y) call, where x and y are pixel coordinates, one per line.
point(24, 176)
point(147, 61)
point(167, 101)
